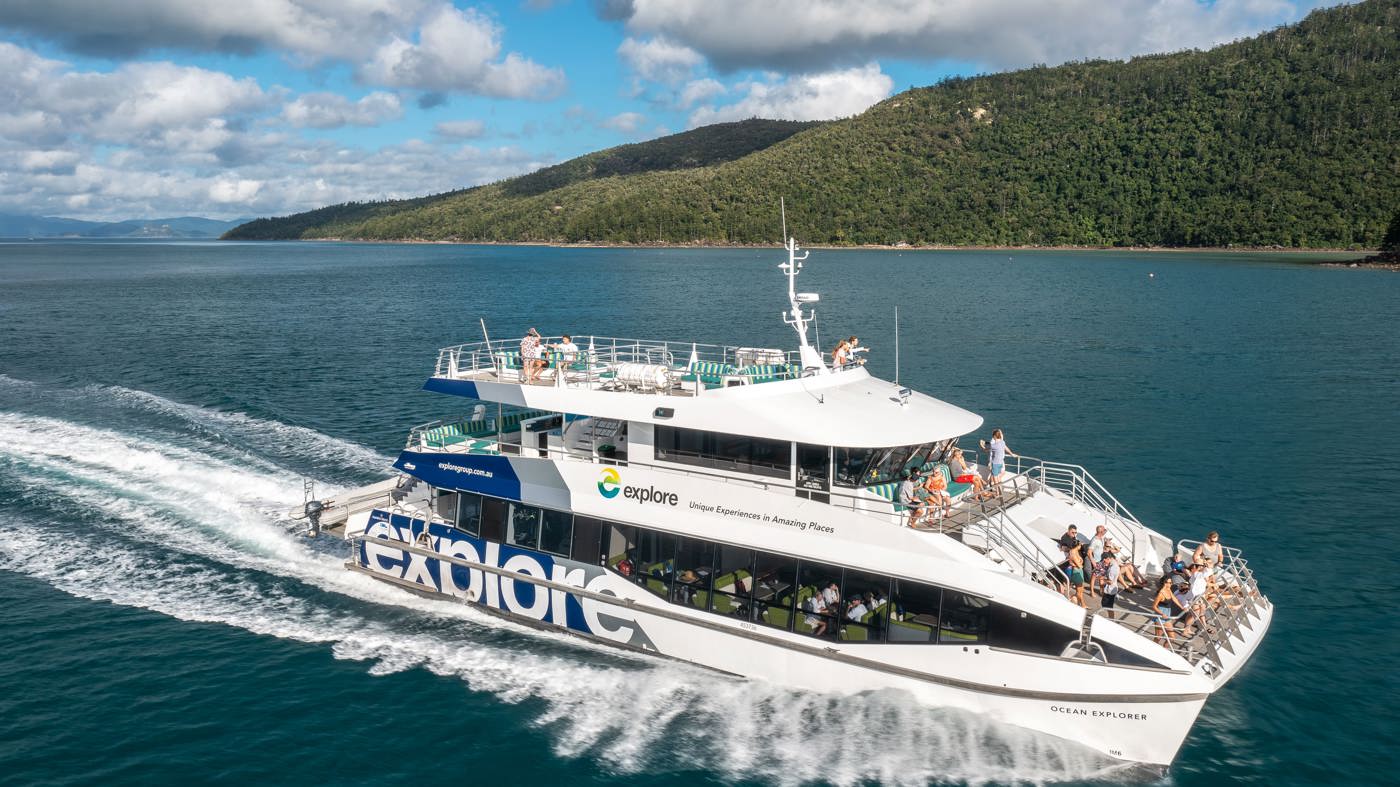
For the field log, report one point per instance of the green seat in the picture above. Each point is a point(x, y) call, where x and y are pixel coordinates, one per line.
point(701, 599)
point(777, 617)
point(854, 632)
point(765, 373)
point(710, 373)
point(509, 359)
point(656, 586)
point(955, 490)
point(908, 631)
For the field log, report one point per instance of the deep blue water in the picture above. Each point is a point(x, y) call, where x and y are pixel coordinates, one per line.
point(160, 403)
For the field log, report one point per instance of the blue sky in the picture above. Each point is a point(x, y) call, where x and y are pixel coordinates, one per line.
point(146, 108)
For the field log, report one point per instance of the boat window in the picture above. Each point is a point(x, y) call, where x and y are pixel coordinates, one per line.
point(864, 606)
point(619, 542)
point(913, 611)
point(743, 453)
point(775, 588)
point(524, 526)
point(469, 513)
point(733, 583)
point(587, 534)
point(556, 533)
point(493, 518)
point(964, 618)
point(695, 561)
point(818, 596)
point(1013, 629)
point(654, 559)
point(1117, 655)
point(866, 466)
point(445, 505)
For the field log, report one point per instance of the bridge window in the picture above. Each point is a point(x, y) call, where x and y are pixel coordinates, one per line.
point(866, 466)
point(721, 451)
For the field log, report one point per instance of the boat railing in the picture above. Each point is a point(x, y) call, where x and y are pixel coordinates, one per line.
point(1078, 484)
point(614, 362)
point(1008, 541)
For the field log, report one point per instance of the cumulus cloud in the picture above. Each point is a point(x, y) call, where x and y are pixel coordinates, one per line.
point(332, 110)
point(459, 50)
point(815, 35)
point(626, 122)
point(699, 91)
point(802, 97)
point(460, 129)
point(419, 44)
point(659, 60)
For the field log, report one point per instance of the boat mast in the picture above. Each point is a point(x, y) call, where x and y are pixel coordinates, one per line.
point(796, 317)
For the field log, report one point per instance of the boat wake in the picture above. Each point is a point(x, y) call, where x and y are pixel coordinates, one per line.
point(190, 524)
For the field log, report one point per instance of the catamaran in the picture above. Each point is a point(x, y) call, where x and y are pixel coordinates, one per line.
point(736, 507)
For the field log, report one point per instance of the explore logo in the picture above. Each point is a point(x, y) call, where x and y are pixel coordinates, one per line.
point(610, 484)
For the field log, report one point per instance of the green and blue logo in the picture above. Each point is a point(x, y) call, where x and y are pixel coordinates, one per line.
point(610, 484)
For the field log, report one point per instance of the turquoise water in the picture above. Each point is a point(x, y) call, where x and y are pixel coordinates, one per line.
point(160, 403)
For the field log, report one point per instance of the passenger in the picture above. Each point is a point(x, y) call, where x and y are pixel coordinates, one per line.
point(963, 473)
point(1110, 587)
point(531, 360)
point(1076, 572)
point(831, 595)
point(1197, 598)
point(1167, 608)
point(1069, 539)
point(566, 348)
point(817, 607)
point(909, 497)
point(1131, 580)
point(841, 355)
point(1096, 553)
point(857, 609)
point(937, 487)
point(996, 455)
point(853, 351)
point(1210, 553)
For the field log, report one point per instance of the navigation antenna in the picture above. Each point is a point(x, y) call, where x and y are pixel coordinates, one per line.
point(796, 316)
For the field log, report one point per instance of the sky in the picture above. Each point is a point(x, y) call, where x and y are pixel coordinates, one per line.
point(115, 109)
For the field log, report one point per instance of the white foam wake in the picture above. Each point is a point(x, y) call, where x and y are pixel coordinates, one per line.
point(198, 537)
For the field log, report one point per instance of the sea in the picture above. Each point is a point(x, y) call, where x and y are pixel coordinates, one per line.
point(162, 404)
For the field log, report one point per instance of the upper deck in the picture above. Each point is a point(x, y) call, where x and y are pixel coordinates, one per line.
point(735, 390)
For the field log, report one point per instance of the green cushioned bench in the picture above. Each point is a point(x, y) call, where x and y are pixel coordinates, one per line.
point(710, 373)
point(767, 373)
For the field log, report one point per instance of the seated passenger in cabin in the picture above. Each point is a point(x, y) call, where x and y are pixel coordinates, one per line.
point(856, 609)
point(963, 473)
point(831, 595)
point(817, 607)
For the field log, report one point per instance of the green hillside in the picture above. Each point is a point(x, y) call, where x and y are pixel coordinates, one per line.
point(1291, 139)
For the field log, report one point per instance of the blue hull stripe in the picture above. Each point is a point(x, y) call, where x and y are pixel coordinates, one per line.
point(486, 474)
point(465, 388)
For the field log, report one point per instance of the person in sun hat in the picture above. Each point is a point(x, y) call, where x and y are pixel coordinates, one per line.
point(531, 356)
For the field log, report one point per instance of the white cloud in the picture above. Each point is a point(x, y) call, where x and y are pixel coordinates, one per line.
point(699, 91)
point(459, 50)
point(460, 129)
point(626, 122)
point(332, 110)
point(803, 97)
point(55, 161)
point(814, 35)
point(660, 60)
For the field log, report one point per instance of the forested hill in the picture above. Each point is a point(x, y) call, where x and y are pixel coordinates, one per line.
point(1291, 139)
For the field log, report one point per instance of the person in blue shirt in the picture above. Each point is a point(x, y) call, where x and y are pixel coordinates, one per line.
point(996, 454)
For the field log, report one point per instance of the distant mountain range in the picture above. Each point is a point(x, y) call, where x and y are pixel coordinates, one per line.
point(1290, 138)
point(19, 226)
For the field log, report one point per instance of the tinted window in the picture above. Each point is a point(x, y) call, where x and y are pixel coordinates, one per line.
point(655, 558)
point(964, 618)
point(587, 533)
point(556, 533)
point(724, 451)
point(619, 543)
point(695, 560)
point(818, 600)
point(493, 519)
point(524, 526)
point(469, 513)
point(866, 466)
point(865, 604)
point(913, 612)
point(1013, 629)
point(774, 590)
point(445, 505)
point(733, 581)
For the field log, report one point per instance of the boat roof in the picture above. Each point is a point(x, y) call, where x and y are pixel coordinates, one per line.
point(846, 408)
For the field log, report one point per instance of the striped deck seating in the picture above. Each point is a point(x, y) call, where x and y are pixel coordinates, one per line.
point(711, 373)
point(767, 373)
